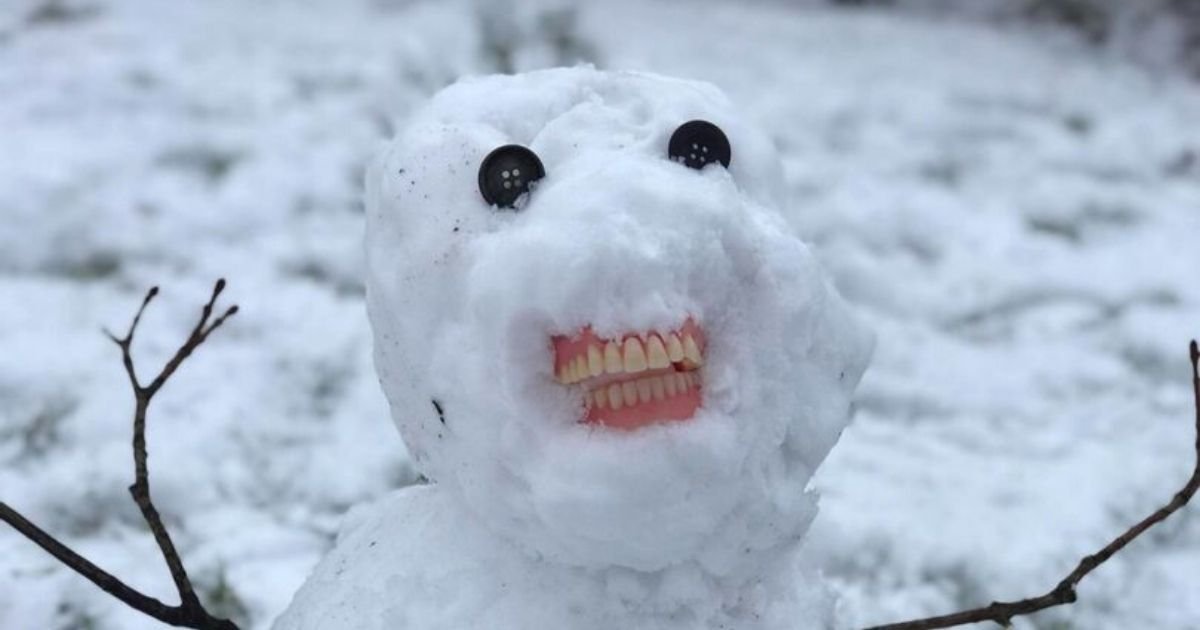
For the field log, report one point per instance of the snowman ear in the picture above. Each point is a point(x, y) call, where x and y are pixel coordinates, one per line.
point(698, 143)
point(507, 173)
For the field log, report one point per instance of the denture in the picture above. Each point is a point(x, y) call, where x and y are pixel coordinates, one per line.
point(638, 379)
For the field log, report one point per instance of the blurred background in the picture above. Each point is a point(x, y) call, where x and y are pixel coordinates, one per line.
point(1009, 190)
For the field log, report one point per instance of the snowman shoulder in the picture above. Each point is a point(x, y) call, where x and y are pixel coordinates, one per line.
point(396, 561)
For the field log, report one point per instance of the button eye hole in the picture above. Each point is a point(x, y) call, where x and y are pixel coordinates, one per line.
point(698, 143)
point(507, 173)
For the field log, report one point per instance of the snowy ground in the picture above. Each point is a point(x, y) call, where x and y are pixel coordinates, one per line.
point(1016, 215)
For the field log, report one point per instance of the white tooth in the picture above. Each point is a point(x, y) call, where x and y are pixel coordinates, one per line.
point(635, 356)
point(582, 370)
point(691, 351)
point(601, 398)
point(615, 397)
point(571, 375)
point(689, 379)
point(681, 383)
point(630, 392)
point(674, 348)
point(643, 390)
point(657, 388)
point(656, 353)
point(595, 360)
point(612, 358)
point(669, 384)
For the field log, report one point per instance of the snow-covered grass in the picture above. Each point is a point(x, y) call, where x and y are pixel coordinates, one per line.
point(1015, 215)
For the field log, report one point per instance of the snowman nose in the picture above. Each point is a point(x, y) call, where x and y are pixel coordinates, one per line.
point(636, 379)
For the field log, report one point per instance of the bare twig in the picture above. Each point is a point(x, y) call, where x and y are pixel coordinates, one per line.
point(1064, 593)
point(190, 613)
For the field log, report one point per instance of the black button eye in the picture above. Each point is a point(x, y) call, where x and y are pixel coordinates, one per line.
point(507, 173)
point(698, 143)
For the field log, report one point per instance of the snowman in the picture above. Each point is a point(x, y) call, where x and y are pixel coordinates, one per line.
point(611, 356)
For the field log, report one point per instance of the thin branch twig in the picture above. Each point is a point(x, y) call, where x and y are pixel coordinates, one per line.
point(1064, 593)
point(190, 613)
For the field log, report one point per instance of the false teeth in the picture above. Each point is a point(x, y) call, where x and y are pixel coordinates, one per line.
point(635, 379)
point(601, 398)
point(612, 358)
point(691, 352)
point(615, 398)
point(674, 348)
point(590, 357)
point(595, 360)
point(635, 356)
point(629, 389)
point(656, 353)
point(641, 390)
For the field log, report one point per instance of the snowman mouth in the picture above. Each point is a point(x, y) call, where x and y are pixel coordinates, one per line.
point(634, 380)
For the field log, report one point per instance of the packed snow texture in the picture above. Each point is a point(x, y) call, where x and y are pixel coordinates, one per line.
point(1015, 215)
point(701, 517)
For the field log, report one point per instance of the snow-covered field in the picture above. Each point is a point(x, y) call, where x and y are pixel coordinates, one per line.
point(1016, 215)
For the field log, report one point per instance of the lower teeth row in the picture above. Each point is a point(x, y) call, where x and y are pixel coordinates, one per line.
point(642, 390)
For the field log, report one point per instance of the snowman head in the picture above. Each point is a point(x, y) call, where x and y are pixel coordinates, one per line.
point(595, 327)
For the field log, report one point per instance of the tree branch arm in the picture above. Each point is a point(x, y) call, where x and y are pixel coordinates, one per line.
point(190, 612)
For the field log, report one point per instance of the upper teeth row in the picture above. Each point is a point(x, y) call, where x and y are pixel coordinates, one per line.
point(631, 357)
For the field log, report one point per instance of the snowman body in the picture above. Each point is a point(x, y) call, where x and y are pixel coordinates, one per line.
point(611, 356)
point(416, 560)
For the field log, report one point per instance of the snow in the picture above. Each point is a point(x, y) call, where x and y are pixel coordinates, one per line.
point(347, 591)
point(1014, 215)
point(464, 300)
